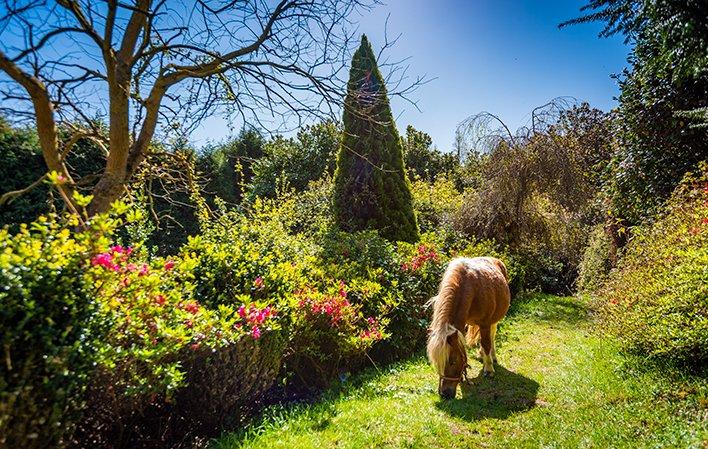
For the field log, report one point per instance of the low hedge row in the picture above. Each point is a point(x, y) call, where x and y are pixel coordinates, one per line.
point(106, 346)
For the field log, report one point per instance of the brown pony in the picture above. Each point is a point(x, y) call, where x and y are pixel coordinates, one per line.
point(473, 293)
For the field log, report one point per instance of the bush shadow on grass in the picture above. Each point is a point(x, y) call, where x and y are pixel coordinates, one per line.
point(492, 397)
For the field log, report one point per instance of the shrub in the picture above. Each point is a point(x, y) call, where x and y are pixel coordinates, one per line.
point(51, 331)
point(101, 333)
point(656, 301)
point(331, 310)
point(435, 203)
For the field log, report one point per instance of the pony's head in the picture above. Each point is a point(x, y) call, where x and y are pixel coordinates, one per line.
point(447, 353)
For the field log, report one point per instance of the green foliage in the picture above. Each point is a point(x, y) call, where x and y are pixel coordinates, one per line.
point(296, 162)
point(595, 265)
point(23, 164)
point(435, 203)
point(424, 161)
point(52, 328)
point(656, 301)
point(371, 187)
point(228, 167)
point(662, 96)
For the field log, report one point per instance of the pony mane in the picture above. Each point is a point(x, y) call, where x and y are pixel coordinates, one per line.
point(444, 308)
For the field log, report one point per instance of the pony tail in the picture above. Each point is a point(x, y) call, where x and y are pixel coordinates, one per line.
point(472, 335)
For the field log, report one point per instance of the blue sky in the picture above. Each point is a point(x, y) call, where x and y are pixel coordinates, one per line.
point(502, 56)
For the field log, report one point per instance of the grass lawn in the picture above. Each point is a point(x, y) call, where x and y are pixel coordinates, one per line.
point(558, 384)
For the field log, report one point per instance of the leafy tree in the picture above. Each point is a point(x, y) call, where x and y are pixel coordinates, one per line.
point(297, 162)
point(662, 114)
point(229, 166)
point(538, 193)
point(372, 190)
point(422, 159)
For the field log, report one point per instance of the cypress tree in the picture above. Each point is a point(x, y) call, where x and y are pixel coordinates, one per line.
point(371, 189)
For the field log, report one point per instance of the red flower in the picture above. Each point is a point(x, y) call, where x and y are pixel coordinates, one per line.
point(160, 300)
point(191, 307)
point(255, 333)
point(170, 264)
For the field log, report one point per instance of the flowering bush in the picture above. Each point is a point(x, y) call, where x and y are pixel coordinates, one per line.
point(656, 301)
point(423, 255)
point(170, 348)
point(328, 331)
point(435, 202)
point(88, 324)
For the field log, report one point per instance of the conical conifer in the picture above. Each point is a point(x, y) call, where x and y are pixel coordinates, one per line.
point(372, 190)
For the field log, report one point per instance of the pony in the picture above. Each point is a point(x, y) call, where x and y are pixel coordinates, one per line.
point(474, 294)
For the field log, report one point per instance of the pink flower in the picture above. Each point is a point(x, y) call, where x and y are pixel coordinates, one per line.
point(258, 282)
point(131, 267)
point(144, 270)
point(255, 333)
point(195, 346)
point(170, 264)
point(105, 260)
point(242, 311)
point(160, 300)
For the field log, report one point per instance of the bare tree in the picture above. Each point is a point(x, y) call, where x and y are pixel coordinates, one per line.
point(147, 64)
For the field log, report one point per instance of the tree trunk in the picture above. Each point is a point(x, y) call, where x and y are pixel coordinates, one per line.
point(111, 185)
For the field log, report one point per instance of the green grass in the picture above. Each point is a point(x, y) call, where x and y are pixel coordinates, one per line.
point(559, 384)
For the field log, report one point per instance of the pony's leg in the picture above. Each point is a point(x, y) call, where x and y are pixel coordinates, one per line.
point(494, 344)
point(486, 341)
